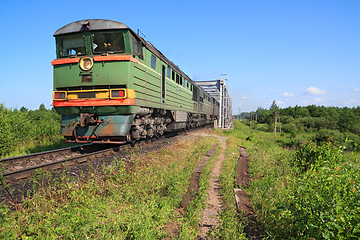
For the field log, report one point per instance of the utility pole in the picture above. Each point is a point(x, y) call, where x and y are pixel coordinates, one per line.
point(279, 123)
point(277, 118)
point(276, 114)
point(250, 119)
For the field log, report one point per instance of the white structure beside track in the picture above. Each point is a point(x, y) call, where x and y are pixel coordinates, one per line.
point(218, 90)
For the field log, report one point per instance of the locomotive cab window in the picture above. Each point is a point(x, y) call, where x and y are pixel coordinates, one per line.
point(108, 42)
point(168, 72)
point(72, 46)
point(137, 48)
point(153, 61)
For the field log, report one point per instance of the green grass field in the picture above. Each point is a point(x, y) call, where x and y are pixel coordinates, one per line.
point(311, 192)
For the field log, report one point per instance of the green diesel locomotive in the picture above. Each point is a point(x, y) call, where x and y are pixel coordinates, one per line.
point(110, 85)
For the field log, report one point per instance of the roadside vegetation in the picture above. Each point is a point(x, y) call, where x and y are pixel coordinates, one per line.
point(304, 183)
point(310, 192)
point(137, 198)
point(323, 124)
point(27, 131)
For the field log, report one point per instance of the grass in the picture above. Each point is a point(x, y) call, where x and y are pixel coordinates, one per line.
point(38, 146)
point(306, 193)
point(133, 202)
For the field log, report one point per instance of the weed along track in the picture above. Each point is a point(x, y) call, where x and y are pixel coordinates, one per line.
point(163, 190)
point(20, 167)
point(19, 172)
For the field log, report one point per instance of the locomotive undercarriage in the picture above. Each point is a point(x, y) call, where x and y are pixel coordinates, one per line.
point(145, 124)
point(150, 123)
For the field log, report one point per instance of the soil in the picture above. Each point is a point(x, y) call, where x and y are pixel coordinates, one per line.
point(210, 215)
point(193, 188)
point(252, 228)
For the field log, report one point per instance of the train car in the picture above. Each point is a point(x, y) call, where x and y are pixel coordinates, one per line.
point(110, 85)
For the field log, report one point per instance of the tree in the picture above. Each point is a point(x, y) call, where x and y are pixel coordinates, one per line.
point(346, 120)
point(274, 107)
point(262, 115)
point(42, 107)
point(23, 109)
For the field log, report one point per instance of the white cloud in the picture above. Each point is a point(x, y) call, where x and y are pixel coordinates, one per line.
point(356, 90)
point(318, 100)
point(244, 97)
point(279, 102)
point(315, 91)
point(287, 94)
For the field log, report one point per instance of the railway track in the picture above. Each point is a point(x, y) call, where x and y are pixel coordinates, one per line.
point(23, 166)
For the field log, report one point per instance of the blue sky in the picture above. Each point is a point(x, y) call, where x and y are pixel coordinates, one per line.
point(297, 52)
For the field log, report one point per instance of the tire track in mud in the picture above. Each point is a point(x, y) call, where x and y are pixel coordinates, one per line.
point(193, 189)
point(210, 215)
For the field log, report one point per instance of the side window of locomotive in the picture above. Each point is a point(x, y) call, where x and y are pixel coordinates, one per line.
point(72, 46)
point(137, 48)
point(153, 61)
point(108, 42)
point(173, 75)
point(168, 72)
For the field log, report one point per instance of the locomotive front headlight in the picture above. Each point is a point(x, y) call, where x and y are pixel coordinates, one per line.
point(86, 63)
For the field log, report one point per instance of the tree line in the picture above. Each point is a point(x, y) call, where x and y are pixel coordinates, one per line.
point(20, 127)
point(330, 124)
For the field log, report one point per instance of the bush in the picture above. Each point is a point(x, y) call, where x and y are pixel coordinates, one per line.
point(349, 140)
point(262, 127)
point(352, 142)
point(292, 142)
point(312, 155)
point(327, 135)
point(290, 128)
point(322, 203)
point(19, 127)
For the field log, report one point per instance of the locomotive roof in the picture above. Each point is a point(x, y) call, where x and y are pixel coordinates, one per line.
point(94, 25)
point(102, 24)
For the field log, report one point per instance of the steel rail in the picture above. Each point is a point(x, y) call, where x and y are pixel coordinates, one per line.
point(27, 171)
point(22, 166)
point(11, 160)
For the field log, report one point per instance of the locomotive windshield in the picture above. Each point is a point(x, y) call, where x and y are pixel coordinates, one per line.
point(108, 42)
point(72, 46)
